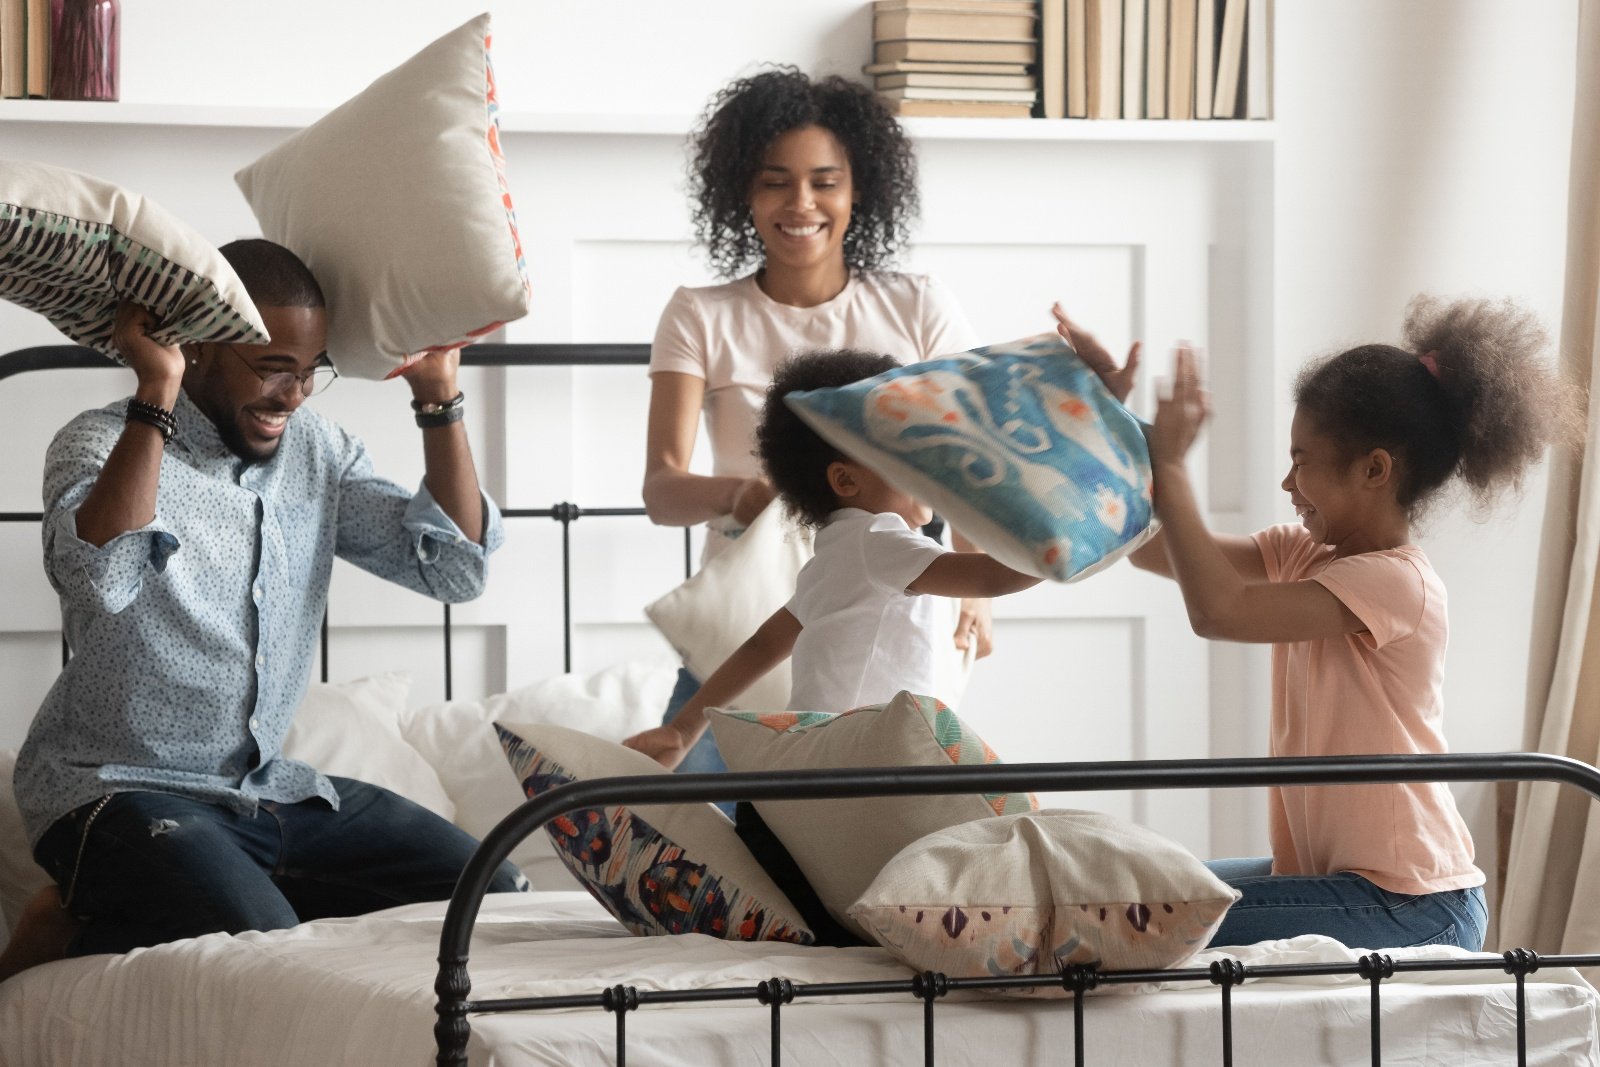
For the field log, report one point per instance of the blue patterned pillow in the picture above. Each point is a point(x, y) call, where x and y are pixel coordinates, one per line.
point(658, 869)
point(1019, 445)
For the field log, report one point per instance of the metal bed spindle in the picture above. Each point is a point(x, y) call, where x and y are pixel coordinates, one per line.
point(452, 1030)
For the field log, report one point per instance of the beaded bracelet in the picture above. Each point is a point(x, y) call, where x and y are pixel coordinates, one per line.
point(431, 414)
point(151, 415)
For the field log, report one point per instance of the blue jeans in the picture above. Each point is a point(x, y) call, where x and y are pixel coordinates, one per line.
point(150, 867)
point(703, 757)
point(1345, 907)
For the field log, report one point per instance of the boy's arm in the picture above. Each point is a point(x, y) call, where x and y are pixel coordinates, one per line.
point(769, 646)
point(970, 574)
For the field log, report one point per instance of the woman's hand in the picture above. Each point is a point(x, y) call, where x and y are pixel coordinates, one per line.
point(662, 743)
point(1119, 380)
point(750, 500)
point(975, 626)
point(1180, 413)
point(158, 367)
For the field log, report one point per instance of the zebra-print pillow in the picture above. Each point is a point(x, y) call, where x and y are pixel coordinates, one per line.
point(72, 247)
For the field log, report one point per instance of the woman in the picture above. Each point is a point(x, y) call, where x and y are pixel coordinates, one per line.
point(813, 184)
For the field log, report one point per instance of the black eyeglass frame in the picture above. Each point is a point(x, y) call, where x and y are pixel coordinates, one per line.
point(315, 380)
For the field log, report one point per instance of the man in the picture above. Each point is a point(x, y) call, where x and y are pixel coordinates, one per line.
point(190, 533)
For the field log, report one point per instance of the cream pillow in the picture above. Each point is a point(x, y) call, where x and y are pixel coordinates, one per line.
point(397, 200)
point(723, 603)
point(20, 877)
point(352, 730)
point(1031, 893)
point(72, 247)
point(657, 868)
point(841, 845)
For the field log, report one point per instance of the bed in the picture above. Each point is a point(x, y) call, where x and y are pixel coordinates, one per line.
point(426, 983)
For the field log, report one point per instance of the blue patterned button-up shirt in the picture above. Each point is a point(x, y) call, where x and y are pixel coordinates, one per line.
point(193, 637)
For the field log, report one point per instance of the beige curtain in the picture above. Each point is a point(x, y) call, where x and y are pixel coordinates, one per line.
point(1552, 867)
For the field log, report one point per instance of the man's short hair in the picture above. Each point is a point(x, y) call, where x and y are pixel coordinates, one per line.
point(273, 275)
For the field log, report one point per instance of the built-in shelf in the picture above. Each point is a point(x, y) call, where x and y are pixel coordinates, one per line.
point(646, 125)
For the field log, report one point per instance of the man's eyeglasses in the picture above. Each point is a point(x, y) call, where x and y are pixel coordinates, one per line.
point(273, 382)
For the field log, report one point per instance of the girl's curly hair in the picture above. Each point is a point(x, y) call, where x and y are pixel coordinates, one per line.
point(1467, 397)
point(746, 116)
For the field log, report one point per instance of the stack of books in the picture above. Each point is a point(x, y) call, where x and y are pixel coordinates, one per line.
point(1156, 59)
point(956, 57)
point(24, 48)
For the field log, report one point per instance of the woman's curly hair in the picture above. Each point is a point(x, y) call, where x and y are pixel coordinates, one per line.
point(743, 120)
point(1468, 397)
point(795, 457)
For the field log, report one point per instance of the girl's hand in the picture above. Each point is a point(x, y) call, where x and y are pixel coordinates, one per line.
point(1181, 413)
point(663, 744)
point(750, 500)
point(1119, 380)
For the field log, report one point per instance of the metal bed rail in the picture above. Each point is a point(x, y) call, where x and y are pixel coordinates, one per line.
point(453, 984)
point(74, 357)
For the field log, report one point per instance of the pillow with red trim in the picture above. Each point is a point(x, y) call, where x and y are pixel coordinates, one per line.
point(657, 868)
point(397, 200)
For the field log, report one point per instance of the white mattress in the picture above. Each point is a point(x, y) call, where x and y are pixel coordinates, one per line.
point(359, 992)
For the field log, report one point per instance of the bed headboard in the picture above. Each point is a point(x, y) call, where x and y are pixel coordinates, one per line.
point(73, 357)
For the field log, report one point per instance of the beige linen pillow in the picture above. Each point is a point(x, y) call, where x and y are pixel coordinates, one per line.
point(1031, 893)
point(841, 845)
point(723, 603)
point(659, 869)
point(72, 247)
point(397, 200)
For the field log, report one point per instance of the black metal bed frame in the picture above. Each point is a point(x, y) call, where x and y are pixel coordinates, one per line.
point(453, 985)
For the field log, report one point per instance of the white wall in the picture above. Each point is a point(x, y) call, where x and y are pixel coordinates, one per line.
point(1420, 146)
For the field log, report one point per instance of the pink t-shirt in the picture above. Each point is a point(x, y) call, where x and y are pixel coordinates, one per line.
point(734, 336)
point(1379, 691)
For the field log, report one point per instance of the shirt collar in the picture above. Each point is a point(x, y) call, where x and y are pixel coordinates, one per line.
point(197, 434)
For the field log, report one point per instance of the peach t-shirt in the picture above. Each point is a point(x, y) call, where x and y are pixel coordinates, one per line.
point(734, 336)
point(1379, 691)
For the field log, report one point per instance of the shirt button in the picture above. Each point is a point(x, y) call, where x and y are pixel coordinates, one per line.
point(255, 724)
point(261, 660)
point(256, 592)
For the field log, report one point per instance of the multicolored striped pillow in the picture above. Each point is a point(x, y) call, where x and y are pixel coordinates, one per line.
point(842, 844)
point(1019, 445)
point(658, 869)
point(398, 201)
point(72, 247)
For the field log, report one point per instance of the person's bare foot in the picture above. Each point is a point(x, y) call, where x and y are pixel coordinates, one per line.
point(43, 932)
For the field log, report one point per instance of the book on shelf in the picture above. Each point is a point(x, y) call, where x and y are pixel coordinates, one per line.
point(1006, 7)
point(977, 109)
point(999, 96)
point(1155, 60)
point(37, 49)
point(13, 48)
point(1053, 59)
point(1206, 31)
point(1133, 19)
point(913, 66)
point(1258, 60)
point(1180, 59)
point(915, 80)
point(1103, 39)
point(1230, 54)
point(1077, 59)
point(916, 50)
point(913, 24)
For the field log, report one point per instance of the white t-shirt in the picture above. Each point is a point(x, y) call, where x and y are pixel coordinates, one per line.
point(734, 336)
point(863, 637)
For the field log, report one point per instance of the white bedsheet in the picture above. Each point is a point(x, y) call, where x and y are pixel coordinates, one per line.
point(359, 992)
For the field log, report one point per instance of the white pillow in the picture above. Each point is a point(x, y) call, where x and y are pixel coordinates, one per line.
point(72, 247)
point(397, 200)
point(457, 740)
point(353, 730)
point(20, 877)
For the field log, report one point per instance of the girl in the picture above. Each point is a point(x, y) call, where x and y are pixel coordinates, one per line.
point(810, 186)
point(1354, 611)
